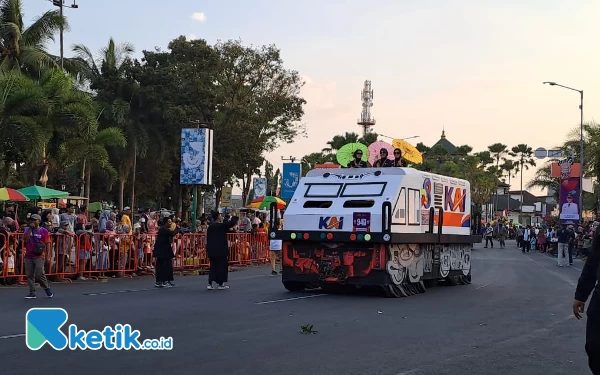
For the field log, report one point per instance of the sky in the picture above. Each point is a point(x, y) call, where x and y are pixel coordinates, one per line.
point(472, 67)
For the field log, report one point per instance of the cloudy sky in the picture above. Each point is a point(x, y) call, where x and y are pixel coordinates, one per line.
point(473, 67)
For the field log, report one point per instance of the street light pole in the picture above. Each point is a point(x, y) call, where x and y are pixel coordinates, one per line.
point(60, 4)
point(580, 145)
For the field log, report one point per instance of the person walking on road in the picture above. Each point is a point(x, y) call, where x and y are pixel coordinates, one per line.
point(217, 248)
point(565, 237)
point(163, 252)
point(489, 236)
point(588, 282)
point(526, 243)
point(38, 244)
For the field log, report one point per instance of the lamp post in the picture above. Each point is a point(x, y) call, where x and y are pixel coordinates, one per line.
point(61, 4)
point(580, 144)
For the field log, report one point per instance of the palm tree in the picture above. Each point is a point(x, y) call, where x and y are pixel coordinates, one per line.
point(23, 49)
point(497, 151)
point(105, 75)
point(22, 104)
point(543, 179)
point(349, 137)
point(524, 154)
point(90, 150)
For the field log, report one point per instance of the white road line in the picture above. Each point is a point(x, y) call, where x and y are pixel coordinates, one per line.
point(12, 336)
point(290, 299)
point(560, 276)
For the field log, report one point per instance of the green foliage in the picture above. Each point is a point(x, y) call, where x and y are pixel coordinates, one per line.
point(308, 330)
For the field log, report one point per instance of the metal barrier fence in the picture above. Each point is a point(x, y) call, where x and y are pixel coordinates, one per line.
point(103, 255)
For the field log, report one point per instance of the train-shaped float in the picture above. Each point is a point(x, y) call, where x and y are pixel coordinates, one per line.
point(394, 228)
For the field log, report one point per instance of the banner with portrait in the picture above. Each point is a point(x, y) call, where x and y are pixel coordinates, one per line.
point(570, 188)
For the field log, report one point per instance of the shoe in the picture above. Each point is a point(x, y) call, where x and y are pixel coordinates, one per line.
point(49, 293)
point(170, 284)
point(30, 296)
point(281, 272)
point(158, 285)
point(209, 287)
point(166, 284)
point(223, 287)
point(82, 278)
point(273, 273)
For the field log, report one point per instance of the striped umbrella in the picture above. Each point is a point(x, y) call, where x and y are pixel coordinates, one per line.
point(8, 194)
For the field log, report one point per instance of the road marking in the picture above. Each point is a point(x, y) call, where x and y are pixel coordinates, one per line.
point(290, 299)
point(12, 336)
point(569, 281)
point(119, 291)
point(482, 286)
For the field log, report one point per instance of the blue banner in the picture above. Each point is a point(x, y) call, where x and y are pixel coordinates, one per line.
point(196, 156)
point(290, 179)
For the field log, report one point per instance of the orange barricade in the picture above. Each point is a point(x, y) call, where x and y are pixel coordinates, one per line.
point(103, 255)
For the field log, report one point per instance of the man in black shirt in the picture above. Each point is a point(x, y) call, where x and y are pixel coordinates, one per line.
point(588, 282)
point(217, 248)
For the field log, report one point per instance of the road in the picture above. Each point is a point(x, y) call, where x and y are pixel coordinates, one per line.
point(514, 319)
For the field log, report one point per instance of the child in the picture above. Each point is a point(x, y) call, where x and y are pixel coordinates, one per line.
point(85, 237)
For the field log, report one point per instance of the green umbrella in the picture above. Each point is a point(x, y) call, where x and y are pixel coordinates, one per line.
point(346, 153)
point(40, 192)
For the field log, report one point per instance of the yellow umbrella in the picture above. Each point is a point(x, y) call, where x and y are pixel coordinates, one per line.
point(409, 152)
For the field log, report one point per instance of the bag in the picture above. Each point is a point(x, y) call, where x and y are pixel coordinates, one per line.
point(38, 249)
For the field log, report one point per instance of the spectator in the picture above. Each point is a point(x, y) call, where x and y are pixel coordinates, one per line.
point(217, 248)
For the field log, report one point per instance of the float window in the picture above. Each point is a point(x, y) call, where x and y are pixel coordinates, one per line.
point(400, 211)
point(414, 203)
point(359, 203)
point(317, 204)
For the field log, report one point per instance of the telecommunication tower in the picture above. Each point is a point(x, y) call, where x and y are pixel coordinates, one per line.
point(366, 121)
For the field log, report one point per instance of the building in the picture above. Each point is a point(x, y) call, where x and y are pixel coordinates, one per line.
point(533, 210)
point(445, 144)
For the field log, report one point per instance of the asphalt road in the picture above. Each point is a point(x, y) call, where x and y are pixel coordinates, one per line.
point(514, 319)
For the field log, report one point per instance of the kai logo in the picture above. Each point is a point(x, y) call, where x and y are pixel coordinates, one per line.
point(331, 222)
point(455, 199)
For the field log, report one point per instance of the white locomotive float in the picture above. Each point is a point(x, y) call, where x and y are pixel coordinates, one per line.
point(394, 228)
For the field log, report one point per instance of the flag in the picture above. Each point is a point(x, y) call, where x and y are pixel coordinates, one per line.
point(505, 213)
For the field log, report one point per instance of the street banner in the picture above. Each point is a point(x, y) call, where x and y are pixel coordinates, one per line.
point(260, 187)
point(196, 156)
point(290, 179)
point(568, 172)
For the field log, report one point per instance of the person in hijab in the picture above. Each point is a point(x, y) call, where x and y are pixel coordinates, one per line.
point(103, 220)
point(163, 252)
point(383, 160)
point(398, 162)
point(357, 162)
point(217, 248)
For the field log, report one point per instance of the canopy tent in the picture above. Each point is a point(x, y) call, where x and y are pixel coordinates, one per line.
point(40, 192)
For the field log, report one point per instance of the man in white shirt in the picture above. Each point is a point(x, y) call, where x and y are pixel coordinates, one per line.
point(569, 210)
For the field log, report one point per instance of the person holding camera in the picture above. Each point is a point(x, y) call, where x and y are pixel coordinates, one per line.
point(38, 243)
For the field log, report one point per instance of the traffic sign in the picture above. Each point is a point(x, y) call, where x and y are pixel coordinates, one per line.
point(541, 153)
point(555, 153)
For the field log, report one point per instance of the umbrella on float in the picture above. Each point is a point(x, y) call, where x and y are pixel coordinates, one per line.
point(346, 153)
point(40, 192)
point(409, 152)
point(265, 203)
point(8, 194)
point(376, 147)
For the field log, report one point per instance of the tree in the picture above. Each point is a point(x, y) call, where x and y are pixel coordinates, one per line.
point(309, 161)
point(524, 154)
point(107, 75)
point(258, 102)
point(23, 48)
point(543, 179)
point(23, 104)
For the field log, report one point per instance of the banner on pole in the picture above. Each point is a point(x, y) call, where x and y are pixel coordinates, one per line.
point(196, 156)
point(290, 179)
point(570, 188)
point(260, 187)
